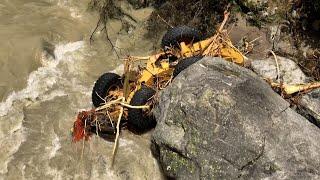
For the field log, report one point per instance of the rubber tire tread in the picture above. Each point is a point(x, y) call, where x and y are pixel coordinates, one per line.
point(185, 63)
point(176, 35)
point(102, 85)
point(138, 122)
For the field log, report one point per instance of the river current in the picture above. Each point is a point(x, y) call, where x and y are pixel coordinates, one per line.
point(47, 72)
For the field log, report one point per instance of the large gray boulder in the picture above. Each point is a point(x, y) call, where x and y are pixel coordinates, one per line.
point(220, 121)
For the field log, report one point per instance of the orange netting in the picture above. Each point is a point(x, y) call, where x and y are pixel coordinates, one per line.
point(79, 126)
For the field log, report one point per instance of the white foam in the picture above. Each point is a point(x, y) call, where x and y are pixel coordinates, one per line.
point(55, 146)
point(119, 69)
point(74, 12)
point(42, 85)
point(61, 50)
point(10, 144)
point(55, 173)
point(125, 142)
point(95, 174)
point(41, 81)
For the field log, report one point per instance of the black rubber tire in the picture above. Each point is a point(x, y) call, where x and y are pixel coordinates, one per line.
point(176, 35)
point(185, 63)
point(102, 86)
point(138, 121)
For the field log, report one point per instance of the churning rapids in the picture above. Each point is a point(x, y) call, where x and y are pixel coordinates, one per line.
point(47, 71)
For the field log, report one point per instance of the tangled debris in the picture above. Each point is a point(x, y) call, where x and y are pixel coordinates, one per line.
point(156, 74)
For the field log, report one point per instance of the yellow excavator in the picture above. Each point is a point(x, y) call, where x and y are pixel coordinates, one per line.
point(181, 47)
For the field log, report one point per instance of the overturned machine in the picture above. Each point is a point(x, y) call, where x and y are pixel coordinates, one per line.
point(126, 101)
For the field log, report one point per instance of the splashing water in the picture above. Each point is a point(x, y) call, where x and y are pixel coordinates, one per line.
point(36, 117)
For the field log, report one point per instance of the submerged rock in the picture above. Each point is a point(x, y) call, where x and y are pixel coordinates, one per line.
point(220, 121)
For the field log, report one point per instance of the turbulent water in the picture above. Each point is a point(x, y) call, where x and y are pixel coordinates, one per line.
point(47, 72)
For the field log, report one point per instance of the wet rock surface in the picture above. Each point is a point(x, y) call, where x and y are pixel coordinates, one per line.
point(220, 121)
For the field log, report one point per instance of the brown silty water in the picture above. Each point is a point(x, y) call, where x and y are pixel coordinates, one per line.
point(47, 72)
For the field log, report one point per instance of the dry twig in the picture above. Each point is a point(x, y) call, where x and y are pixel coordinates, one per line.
point(116, 142)
point(82, 150)
point(161, 18)
point(277, 65)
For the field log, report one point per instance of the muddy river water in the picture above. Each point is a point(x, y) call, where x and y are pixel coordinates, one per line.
point(47, 70)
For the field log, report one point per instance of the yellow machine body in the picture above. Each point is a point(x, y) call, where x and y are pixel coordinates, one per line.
point(152, 74)
point(226, 50)
point(162, 71)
